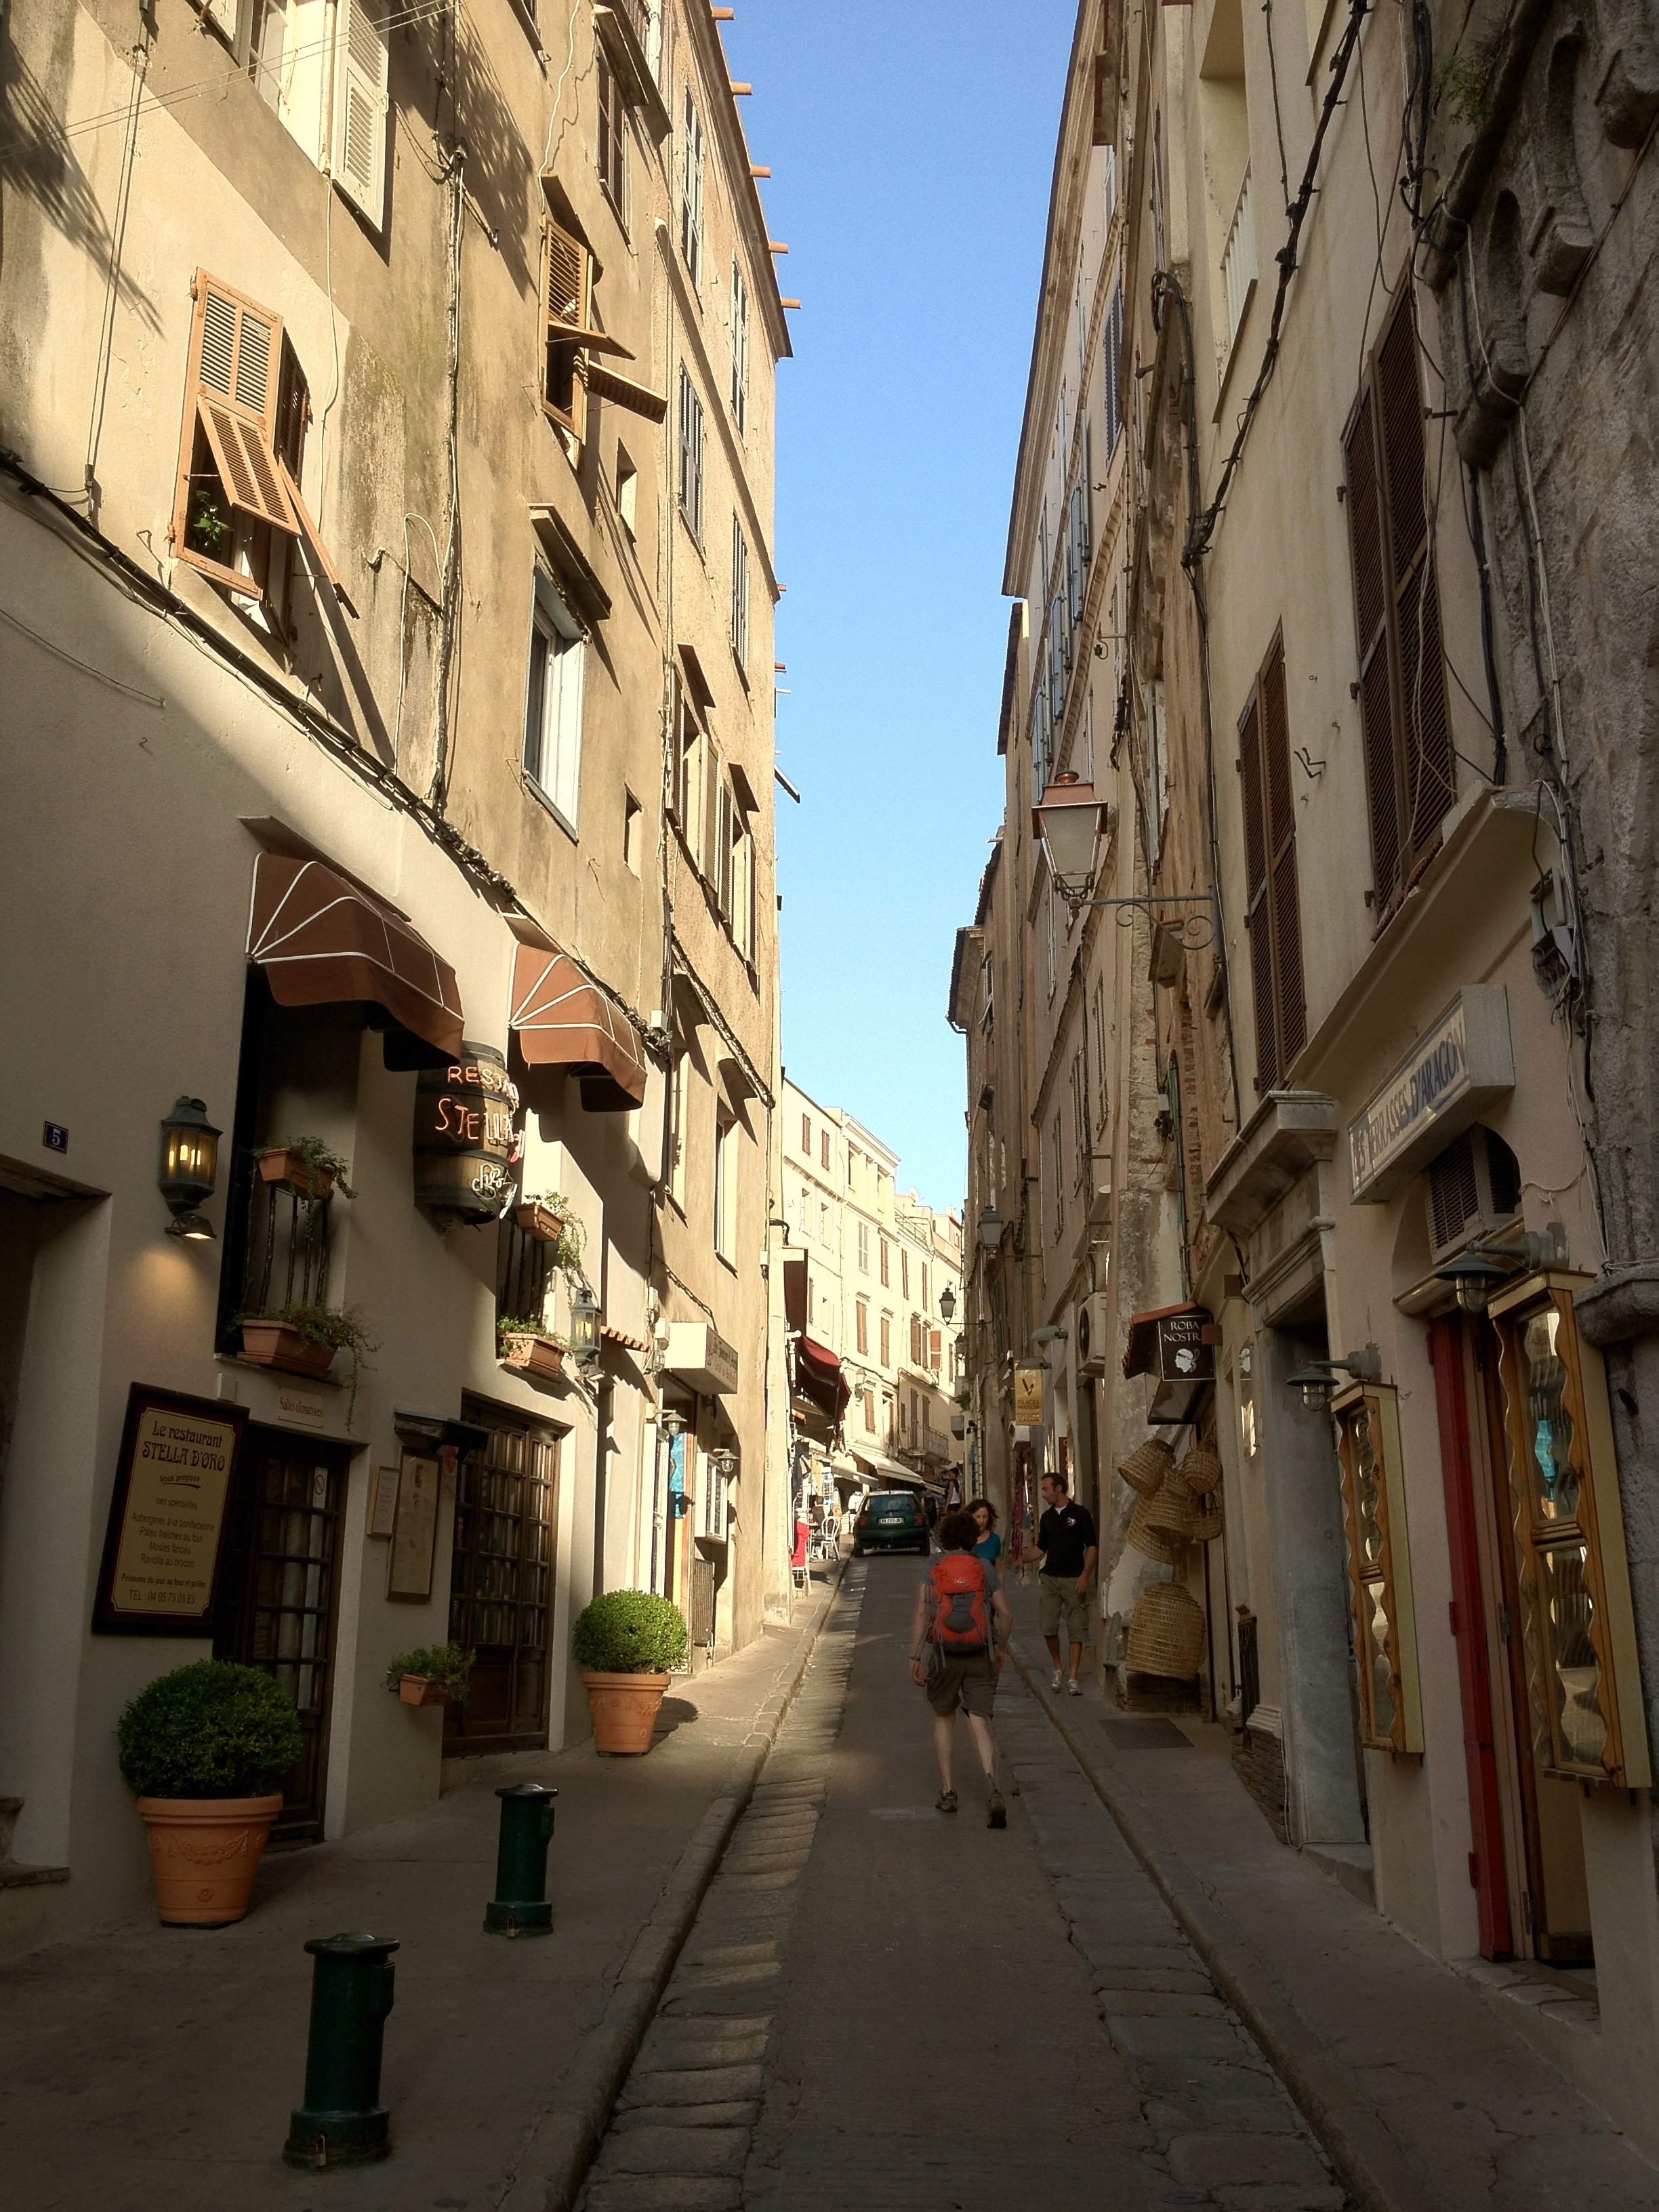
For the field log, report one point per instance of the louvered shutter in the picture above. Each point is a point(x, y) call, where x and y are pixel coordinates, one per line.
point(567, 276)
point(361, 106)
point(1290, 1006)
point(1257, 914)
point(1370, 599)
point(234, 357)
point(222, 13)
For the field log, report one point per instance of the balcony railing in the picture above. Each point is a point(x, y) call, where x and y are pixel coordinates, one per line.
point(1238, 260)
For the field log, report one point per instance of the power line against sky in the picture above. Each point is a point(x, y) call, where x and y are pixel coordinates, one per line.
point(912, 146)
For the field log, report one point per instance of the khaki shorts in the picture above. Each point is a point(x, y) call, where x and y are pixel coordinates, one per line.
point(970, 1682)
point(1059, 1601)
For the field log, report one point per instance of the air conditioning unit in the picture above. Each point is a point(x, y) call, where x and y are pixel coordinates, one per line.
point(1473, 1185)
point(1094, 1333)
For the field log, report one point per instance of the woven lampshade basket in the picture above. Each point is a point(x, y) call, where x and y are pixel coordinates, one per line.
point(1166, 1633)
point(1168, 1551)
point(1208, 1524)
point(1171, 1513)
point(1201, 1470)
point(1146, 1466)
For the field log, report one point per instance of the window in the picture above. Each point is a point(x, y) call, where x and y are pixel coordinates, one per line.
point(692, 769)
point(917, 1339)
point(628, 484)
point(567, 314)
point(1402, 690)
point(904, 1272)
point(1272, 913)
point(1099, 1028)
point(823, 1141)
point(861, 1323)
point(823, 1223)
point(230, 494)
point(739, 598)
point(328, 87)
point(1080, 1108)
point(806, 1135)
point(553, 709)
point(869, 1398)
point(1057, 1153)
point(1238, 260)
point(887, 1340)
point(690, 474)
point(612, 133)
point(633, 816)
point(1113, 378)
point(680, 1109)
point(726, 1187)
point(886, 1276)
point(691, 190)
point(863, 1248)
point(739, 350)
point(924, 1287)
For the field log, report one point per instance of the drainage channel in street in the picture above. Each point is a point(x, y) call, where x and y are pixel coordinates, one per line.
point(967, 2050)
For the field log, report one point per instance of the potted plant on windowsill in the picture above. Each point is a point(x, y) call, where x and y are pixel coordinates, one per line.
point(627, 1644)
point(528, 1347)
point(205, 1748)
point(549, 1217)
point(303, 1341)
point(306, 1166)
point(436, 1675)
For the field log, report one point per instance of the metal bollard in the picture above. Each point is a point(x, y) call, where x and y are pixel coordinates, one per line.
point(341, 2121)
point(520, 1905)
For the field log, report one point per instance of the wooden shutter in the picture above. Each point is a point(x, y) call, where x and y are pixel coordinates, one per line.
point(567, 277)
point(222, 13)
point(622, 392)
point(1273, 912)
point(235, 351)
point(361, 106)
point(1402, 690)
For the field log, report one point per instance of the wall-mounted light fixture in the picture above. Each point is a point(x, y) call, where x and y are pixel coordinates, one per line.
point(189, 1163)
point(1070, 823)
point(991, 1226)
point(1475, 1274)
point(1317, 1380)
point(584, 1327)
point(947, 1304)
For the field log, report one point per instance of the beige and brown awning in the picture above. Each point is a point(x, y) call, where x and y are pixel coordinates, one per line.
point(320, 940)
point(564, 1020)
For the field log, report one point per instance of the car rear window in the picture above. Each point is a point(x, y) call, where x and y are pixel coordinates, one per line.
point(893, 1509)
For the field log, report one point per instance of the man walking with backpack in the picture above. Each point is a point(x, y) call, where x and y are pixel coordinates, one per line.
point(958, 1636)
point(1066, 1540)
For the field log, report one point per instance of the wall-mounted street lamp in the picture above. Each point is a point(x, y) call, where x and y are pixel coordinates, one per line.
point(584, 1327)
point(1475, 1274)
point(1317, 1380)
point(991, 1227)
point(189, 1163)
point(1070, 824)
point(947, 1304)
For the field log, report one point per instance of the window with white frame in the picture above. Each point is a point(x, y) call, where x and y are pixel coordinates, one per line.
point(610, 144)
point(690, 468)
point(726, 1187)
point(691, 190)
point(323, 68)
point(739, 596)
point(553, 706)
point(739, 349)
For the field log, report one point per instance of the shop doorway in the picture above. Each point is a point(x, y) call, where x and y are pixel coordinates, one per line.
point(1530, 1852)
point(277, 1595)
point(502, 1583)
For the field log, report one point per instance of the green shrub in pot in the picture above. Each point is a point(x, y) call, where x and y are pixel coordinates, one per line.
point(211, 1730)
point(631, 1632)
point(445, 1664)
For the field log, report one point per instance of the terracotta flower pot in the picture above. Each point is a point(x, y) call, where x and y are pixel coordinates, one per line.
point(296, 1174)
point(624, 1709)
point(540, 1222)
point(422, 1690)
point(533, 1355)
point(274, 1344)
point(203, 1852)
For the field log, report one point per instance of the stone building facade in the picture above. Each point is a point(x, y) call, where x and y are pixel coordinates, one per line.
point(1372, 1224)
point(387, 414)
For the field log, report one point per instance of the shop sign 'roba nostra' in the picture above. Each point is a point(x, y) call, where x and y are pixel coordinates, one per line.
point(1448, 1078)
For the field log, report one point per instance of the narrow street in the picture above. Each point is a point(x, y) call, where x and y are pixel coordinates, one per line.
point(887, 2007)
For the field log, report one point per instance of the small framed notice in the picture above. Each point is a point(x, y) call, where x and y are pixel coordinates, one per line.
point(166, 1519)
point(383, 1502)
point(415, 1529)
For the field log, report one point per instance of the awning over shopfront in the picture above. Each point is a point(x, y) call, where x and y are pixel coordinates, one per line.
point(818, 1376)
point(322, 940)
point(564, 1020)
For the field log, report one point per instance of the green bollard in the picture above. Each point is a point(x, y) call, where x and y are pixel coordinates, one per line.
point(521, 1904)
point(341, 2121)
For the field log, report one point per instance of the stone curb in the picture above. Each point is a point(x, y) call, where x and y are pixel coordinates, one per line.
point(549, 2170)
point(1381, 2173)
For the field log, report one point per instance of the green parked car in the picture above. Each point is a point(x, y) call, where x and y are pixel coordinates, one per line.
point(891, 1521)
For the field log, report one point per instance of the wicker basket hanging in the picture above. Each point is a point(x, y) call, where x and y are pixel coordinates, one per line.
point(1166, 1633)
point(1171, 1513)
point(1208, 1521)
point(1201, 1471)
point(1146, 1467)
point(1168, 1551)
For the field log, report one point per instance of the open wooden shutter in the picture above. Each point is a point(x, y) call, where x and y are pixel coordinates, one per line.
point(361, 106)
point(1256, 914)
point(605, 384)
point(235, 350)
point(1370, 599)
point(1290, 1007)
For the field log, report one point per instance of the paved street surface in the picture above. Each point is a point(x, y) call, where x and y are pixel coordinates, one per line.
point(887, 2008)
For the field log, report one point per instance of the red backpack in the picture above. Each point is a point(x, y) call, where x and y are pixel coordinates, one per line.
point(961, 1609)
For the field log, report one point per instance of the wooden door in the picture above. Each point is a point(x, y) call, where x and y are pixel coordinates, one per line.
point(500, 1589)
point(277, 1599)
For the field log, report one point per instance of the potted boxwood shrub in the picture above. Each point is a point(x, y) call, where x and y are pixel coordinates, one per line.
point(530, 1348)
point(627, 1643)
point(205, 1749)
point(306, 1166)
point(435, 1675)
point(303, 1341)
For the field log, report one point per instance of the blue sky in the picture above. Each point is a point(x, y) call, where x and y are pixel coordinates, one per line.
point(911, 144)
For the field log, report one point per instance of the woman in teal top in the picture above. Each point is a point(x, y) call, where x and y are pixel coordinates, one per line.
point(989, 1547)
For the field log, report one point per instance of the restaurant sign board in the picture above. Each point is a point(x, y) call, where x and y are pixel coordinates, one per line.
point(1028, 1394)
point(167, 1520)
point(1462, 1066)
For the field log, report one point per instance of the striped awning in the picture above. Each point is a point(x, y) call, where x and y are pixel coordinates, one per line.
point(321, 940)
point(564, 1020)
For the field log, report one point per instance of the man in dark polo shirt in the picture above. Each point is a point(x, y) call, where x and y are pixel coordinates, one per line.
point(1066, 1538)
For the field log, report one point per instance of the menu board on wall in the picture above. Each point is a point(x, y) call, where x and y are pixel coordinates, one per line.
point(174, 1484)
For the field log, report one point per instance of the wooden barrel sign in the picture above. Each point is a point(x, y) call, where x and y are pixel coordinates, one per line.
point(465, 1138)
